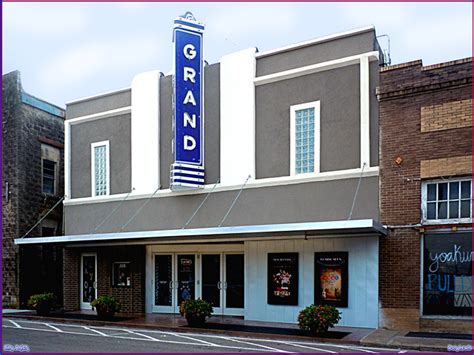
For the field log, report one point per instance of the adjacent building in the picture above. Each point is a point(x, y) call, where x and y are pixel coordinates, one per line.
point(426, 196)
point(32, 184)
point(277, 208)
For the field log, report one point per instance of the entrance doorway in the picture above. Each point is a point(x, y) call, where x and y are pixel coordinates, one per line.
point(217, 278)
point(88, 279)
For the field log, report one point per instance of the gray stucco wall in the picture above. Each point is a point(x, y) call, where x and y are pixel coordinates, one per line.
point(374, 114)
point(318, 201)
point(211, 126)
point(122, 98)
point(117, 131)
point(317, 53)
point(338, 93)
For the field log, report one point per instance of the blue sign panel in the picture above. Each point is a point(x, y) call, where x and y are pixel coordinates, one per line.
point(188, 170)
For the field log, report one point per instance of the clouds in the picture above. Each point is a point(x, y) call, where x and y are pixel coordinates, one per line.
point(99, 58)
point(44, 18)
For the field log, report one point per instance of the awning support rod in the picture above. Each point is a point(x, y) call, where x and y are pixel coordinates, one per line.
point(139, 209)
point(202, 203)
point(41, 219)
point(233, 202)
point(356, 192)
point(113, 211)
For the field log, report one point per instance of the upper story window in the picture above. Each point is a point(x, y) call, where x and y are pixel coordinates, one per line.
point(100, 168)
point(305, 137)
point(447, 200)
point(50, 157)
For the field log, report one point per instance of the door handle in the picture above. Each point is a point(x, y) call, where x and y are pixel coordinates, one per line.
point(219, 285)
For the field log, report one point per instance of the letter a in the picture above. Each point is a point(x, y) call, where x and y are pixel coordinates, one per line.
point(189, 143)
point(189, 98)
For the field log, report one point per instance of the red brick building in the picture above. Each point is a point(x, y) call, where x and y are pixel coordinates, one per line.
point(426, 196)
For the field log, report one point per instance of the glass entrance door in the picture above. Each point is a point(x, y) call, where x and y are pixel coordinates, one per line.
point(211, 280)
point(88, 280)
point(174, 281)
point(234, 284)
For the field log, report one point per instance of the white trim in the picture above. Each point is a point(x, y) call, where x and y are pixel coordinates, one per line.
point(314, 68)
point(99, 115)
point(237, 126)
point(341, 227)
point(83, 305)
point(364, 111)
point(424, 202)
point(252, 184)
point(67, 161)
point(107, 175)
point(317, 40)
point(145, 132)
point(97, 96)
point(317, 137)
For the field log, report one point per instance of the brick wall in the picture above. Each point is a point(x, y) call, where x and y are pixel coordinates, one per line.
point(132, 298)
point(405, 91)
point(454, 114)
point(22, 128)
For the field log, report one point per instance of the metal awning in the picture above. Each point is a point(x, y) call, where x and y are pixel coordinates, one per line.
point(361, 227)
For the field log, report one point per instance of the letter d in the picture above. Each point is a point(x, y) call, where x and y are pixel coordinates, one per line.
point(189, 143)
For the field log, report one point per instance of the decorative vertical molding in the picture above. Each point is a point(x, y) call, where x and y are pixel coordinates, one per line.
point(67, 160)
point(237, 102)
point(145, 136)
point(364, 112)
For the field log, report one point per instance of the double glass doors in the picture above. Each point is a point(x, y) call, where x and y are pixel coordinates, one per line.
point(217, 278)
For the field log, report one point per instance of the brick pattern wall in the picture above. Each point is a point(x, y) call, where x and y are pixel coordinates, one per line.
point(453, 166)
point(22, 126)
point(132, 298)
point(454, 114)
point(404, 90)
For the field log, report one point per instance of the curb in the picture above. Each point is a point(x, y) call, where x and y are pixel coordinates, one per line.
point(185, 329)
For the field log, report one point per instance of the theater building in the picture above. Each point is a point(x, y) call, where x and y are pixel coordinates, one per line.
point(252, 183)
point(426, 196)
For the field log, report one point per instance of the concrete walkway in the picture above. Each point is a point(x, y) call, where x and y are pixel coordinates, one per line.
point(237, 326)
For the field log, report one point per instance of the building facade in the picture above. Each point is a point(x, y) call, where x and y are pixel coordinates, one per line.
point(32, 183)
point(426, 196)
point(288, 212)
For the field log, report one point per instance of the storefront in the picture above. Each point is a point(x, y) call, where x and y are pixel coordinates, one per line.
point(255, 189)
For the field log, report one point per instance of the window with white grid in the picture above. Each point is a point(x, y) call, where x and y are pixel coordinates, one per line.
point(447, 200)
point(100, 168)
point(305, 138)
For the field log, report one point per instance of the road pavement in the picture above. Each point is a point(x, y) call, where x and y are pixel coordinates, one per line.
point(37, 336)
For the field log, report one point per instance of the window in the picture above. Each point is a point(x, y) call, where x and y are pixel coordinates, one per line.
point(49, 177)
point(50, 158)
point(121, 274)
point(447, 200)
point(305, 137)
point(100, 168)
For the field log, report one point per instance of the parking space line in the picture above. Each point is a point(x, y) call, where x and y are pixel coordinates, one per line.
point(53, 327)
point(143, 335)
point(190, 338)
point(95, 331)
point(14, 323)
point(262, 346)
point(309, 347)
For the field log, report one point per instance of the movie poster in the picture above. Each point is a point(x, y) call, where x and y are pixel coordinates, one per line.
point(283, 278)
point(331, 278)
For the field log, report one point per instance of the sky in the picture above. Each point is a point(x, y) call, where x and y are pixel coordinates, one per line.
point(67, 51)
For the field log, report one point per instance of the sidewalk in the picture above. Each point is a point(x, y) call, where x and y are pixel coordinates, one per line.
point(237, 326)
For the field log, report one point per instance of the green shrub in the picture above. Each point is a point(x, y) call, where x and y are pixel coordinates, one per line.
point(106, 306)
point(195, 311)
point(42, 303)
point(318, 318)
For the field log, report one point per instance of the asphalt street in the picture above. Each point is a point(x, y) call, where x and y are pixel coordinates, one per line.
point(35, 336)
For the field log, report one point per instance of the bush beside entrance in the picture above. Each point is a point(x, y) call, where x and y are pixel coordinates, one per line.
point(318, 318)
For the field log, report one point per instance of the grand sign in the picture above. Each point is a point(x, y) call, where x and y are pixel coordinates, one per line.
point(187, 172)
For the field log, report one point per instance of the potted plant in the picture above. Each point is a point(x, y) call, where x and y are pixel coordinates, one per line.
point(318, 318)
point(106, 306)
point(195, 312)
point(42, 303)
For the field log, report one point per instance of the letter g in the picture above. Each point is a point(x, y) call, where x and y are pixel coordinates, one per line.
point(189, 51)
